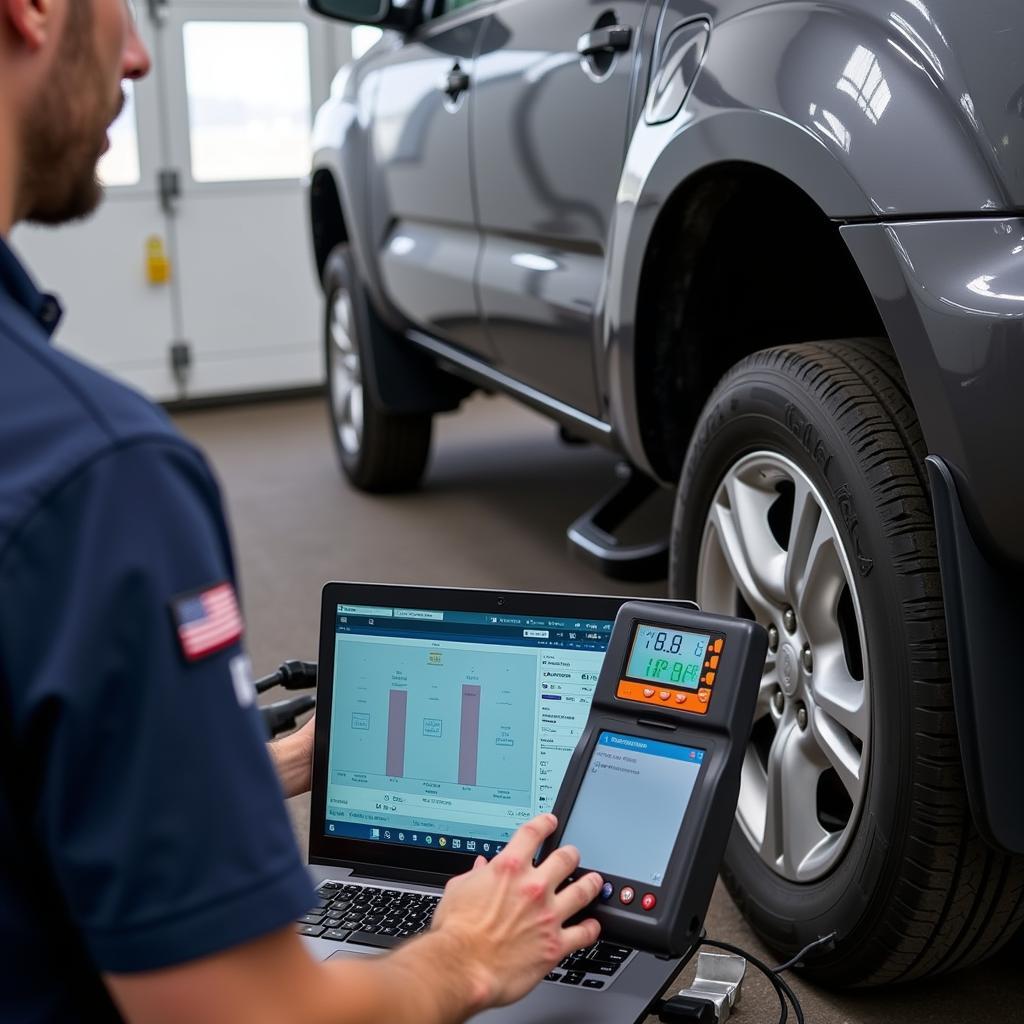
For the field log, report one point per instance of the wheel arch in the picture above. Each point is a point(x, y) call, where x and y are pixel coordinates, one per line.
point(713, 289)
point(327, 218)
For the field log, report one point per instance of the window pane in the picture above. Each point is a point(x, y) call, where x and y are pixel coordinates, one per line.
point(120, 164)
point(248, 100)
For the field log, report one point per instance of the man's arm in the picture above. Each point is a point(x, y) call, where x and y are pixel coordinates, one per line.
point(497, 932)
point(275, 981)
point(293, 759)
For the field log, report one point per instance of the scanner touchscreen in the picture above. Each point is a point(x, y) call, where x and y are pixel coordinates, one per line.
point(631, 805)
point(650, 792)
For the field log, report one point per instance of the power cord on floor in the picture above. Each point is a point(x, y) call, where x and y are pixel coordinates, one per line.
point(695, 1007)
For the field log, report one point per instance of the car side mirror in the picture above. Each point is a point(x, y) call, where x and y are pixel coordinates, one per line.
point(401, 14)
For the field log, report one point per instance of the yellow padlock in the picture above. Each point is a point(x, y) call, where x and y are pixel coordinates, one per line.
point(158, 264)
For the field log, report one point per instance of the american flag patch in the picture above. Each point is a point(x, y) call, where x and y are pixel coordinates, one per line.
point(207, 621)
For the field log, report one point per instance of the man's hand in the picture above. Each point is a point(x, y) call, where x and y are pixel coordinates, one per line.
point(497, 932)
point(507, 918)
point(293, 759)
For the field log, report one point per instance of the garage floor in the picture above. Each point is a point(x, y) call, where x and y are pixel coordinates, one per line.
point(499, 494)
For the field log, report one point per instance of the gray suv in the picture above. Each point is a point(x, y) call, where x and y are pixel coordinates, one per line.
point(773, 254)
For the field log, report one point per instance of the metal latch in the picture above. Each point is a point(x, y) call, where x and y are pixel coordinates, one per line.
point(169, 187)
point(718, 981)
point(158, 11)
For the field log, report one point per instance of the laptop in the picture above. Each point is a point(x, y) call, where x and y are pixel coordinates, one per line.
point(445, 718)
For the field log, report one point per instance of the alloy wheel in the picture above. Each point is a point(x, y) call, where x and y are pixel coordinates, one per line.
point(771, 552)
point(345, 374)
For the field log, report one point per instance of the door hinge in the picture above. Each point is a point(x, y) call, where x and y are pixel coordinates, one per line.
point(158, 11)
point(180, 353)
point(169, 186)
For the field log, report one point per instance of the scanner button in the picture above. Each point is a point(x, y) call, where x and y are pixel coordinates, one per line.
point(626, 895)
point(703, 695)
point(648, 901)
point(709, 678)
point(607, 891)
point(664, 695)
point(648, 692)
point(714, 661)
point(717, 646)
point(680, 698)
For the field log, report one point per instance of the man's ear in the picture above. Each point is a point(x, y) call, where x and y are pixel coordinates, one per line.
point(31, 21)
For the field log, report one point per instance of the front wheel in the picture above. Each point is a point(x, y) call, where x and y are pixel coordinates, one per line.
point(803, 504)
point(378, 451)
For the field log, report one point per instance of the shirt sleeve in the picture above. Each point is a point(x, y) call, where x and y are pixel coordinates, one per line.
point(151, 789)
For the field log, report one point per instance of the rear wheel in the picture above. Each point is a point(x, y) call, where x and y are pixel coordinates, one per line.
point(803, 504)
point(378, 451)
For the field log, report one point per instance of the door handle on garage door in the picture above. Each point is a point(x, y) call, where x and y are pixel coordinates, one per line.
point(609, 39)
point(455, 83)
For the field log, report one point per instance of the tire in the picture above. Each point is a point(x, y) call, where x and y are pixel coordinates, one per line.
point(853, 817)
point(378, 451)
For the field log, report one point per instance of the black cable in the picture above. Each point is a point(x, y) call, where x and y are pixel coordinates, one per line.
point(281, 717)
point(795, 961)
point(292, 675)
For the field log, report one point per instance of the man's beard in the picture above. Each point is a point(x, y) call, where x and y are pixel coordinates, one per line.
point(64, 130)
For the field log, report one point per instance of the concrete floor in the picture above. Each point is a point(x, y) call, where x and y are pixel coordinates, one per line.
point(499, 494)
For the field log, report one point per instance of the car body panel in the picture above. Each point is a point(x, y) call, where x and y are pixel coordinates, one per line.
point(840, 104)
point(420, 160)
point(951, 294)
point(549, 134)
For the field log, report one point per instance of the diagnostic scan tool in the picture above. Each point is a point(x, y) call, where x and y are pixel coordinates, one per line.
point(650, 793)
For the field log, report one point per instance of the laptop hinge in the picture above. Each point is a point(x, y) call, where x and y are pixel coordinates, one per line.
point(378, 871)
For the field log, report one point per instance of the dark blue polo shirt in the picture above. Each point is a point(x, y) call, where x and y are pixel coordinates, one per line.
point(141, 822)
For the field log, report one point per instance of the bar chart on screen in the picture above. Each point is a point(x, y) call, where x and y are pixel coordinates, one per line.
point(429, 728)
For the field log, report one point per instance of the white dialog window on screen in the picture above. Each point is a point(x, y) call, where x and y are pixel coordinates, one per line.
point(249, 100)
point(631, 804)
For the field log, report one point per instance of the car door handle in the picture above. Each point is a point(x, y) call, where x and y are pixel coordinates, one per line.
point(455, 83)
point(604, 40)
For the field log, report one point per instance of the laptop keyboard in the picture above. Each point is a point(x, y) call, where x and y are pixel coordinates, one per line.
point(367, 915)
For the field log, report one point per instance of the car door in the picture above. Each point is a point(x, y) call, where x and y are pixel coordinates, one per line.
point(549, 135)
point(424, 216)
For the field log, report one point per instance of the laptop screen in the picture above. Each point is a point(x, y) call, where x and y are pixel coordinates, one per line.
point(450, 728)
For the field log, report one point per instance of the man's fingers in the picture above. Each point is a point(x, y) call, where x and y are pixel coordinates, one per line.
point(480, 862)
point(579, 936)
point(562, 863)
point(529, 836)
point(573, 898)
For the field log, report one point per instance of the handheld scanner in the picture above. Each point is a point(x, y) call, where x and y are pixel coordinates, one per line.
point(650, 792)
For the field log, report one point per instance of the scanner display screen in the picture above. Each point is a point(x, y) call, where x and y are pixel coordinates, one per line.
point(631, 805)
point(668, 656)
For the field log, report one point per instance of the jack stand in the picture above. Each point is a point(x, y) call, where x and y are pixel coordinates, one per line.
point(715, 991)
point(592, 536)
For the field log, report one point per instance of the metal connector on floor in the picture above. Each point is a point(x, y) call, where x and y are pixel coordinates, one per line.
point(715, 991)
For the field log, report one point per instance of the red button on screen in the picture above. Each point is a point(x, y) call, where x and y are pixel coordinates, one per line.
point(648, 901)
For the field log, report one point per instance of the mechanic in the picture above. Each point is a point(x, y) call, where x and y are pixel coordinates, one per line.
point(148, 871)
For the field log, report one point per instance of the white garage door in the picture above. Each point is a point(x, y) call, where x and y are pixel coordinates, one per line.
point(195, 278)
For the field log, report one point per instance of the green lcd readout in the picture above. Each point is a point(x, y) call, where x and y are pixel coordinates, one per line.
point(668, 656)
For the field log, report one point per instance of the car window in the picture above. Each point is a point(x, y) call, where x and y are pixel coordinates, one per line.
point(454, 5)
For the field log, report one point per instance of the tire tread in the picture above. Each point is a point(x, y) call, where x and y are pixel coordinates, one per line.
point(952, 900)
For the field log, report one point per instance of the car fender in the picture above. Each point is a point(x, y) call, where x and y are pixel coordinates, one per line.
point(341, 148)
point(862, 112)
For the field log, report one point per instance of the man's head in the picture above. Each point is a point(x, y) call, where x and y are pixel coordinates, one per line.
point(62, 64)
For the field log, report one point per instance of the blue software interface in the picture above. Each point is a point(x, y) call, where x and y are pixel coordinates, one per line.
point(631, 804)
point(449, 728)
